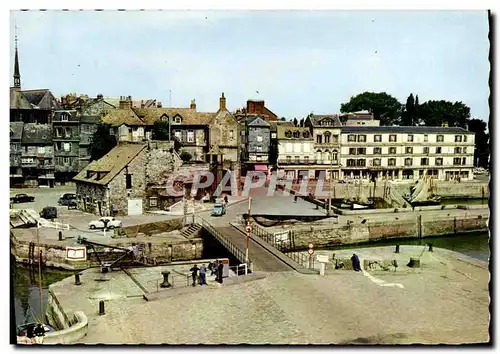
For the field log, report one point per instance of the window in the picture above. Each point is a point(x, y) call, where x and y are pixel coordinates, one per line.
point(377, 151)
point(178, 135)
point(464, 161)
point(306, 158)
point(439, 161)
point(59, 132)
point(297, 159)
point(361, 163)
point(393, 138)
point(352, 151)
point(458, 150)
point(258, 148)
point(464, 150)
point(361, 151)
point(128, 181)
point(426, 150)
point(351, 138)
point(327, 137)
point(377, 138)
point(392, 150)
point(153, 202)
point(319, 138)
point(64, 117)
point(111, 131)
point(296, 134)
point(351, 162)
point(273, 135)
point(362, 138)
point(458, 138)
point(288, 134)
point(409, 150)
point(67, 133)
point(305, 135)
point(190, 136)
point(426, 138)
point(178, 119)
point(335, 138)
point(408, 161)
point(41, 149)
point(259, 138)
point(456, 161)
point(424, 161)
point(334, 156)
point(66, 161)
point(410, 138)
point(376, 162)
point(27, 160)
point(391, 162)
point(438, 150)
point(67, 147)
point(289, 159)
point(231, 135)
point(465, 138)
point(439, 138)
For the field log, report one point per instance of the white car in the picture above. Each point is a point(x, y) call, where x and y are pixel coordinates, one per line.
point(111, 223)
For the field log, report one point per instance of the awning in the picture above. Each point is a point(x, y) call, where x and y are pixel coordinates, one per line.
point(262, 168)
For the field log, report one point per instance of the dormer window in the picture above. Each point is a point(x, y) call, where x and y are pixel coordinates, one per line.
point(288, 134)
point(178, 119)
point(90, 174)
point(64, 117)
point(305, 134)
point(164, 118)
point(296, 134)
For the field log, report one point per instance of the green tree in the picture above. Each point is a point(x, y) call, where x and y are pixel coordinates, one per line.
point(435, 113)
point(295, 122)
point(417, 111)
point(185, 156)
point(301, 123)
point(101, 141)
point(383, 106)
point(161, 132)
point(482, 146)
point(409, 116)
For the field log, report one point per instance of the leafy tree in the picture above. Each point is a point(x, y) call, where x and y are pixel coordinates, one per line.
point(101, 141)
point(417, 111)
point(482, 148)
point(301, 123)
point(185, 156)
point(435, 113)
point(383, 106)
point(160, 132)
point(409, 116)
point(283, 119)
point(295, 122)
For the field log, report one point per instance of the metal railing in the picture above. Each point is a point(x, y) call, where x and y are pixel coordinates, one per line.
point(235, 251)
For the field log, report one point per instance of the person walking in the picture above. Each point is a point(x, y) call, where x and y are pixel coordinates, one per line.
point(203, 274)
point(214, 269)
point(226, 200)
point(194, 272)
point(355, 262)
point(219, 272)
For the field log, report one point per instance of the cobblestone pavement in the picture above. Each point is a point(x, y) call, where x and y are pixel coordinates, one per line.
point(447, 305)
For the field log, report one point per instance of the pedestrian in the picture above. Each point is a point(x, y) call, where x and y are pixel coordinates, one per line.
point(214, 269)
point(219, 272)
point(226, 200)
point(203, 274)
point(355, 262)
point(194, 272)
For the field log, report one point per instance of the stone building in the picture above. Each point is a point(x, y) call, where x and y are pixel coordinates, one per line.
point(119, 182)
point(326, 135)
point(257, 143)
point(37, 155)
point(406, 152)
point(359, 118)
point(66, 129)
point(16, 134)
point(257, 108)
point(295, 152)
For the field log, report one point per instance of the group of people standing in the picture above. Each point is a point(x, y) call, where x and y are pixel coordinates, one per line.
point(200, 274)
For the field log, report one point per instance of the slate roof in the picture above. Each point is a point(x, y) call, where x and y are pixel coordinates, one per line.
point(317, 118)
point(111, 163)
point(147, 116)
point(283, 129)
point(41, 99)
point(257, 121)
point(18, 101)
point(404, 129)
point(16, 128)
point(275, 124)
point(34, 133)
point(89, 119)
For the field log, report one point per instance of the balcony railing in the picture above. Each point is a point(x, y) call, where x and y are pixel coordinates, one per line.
point(307, 162)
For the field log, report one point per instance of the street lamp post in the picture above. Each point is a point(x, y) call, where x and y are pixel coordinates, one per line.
point(248, 229)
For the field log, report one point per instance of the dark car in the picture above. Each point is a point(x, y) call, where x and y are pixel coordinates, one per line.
point(49, 212)
point(22, 198)
point(67, 199)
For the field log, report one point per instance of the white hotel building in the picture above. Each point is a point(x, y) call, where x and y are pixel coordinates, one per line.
point(396, 153)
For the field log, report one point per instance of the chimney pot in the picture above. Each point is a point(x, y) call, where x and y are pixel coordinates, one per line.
point(222, 105)
point(193, 104)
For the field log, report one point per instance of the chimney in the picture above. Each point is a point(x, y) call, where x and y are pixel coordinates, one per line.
point(193, 104)
point(125, 102)
point(99, 96)
point(142, 104)
point(222, 103)
point(158, 104)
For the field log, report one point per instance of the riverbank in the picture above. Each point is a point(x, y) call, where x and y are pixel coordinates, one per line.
point(445, 301)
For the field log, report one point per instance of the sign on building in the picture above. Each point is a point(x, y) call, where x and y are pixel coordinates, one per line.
point(76, 253)
point(281, 236)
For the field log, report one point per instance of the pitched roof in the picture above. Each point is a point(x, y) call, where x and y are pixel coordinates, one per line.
point(34, 133)
point(296, 133)
point(41, 99)
point(277, 123)
point(147, 116)
point(16, 128)
point(111, 164)
point(316, 119)
point(257, 122)
point(404, 129)
point(18, 100)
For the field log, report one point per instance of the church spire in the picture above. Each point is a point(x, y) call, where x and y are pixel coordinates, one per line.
point(17, 75)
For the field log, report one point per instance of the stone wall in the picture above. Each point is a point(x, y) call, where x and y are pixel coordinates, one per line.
point(87, 196)
point(152, 228)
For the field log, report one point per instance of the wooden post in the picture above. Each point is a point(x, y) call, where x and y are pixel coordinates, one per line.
point(419, 226)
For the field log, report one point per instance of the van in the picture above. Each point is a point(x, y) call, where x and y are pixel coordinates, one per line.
point(49, 212)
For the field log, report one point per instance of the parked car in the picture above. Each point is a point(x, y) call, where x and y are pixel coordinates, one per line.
point(22, 198)
point(49, 212)
point(108, 221)
point(67, 199)
point(218, 209)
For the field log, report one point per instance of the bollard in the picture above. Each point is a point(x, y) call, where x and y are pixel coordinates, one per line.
point(430, 247)
point(165, 283)
point(397, 248)
point(60, 236)
point(101, 308)
point(77, 279)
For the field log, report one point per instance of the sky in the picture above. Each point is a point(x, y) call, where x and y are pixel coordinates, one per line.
point(297, 61)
